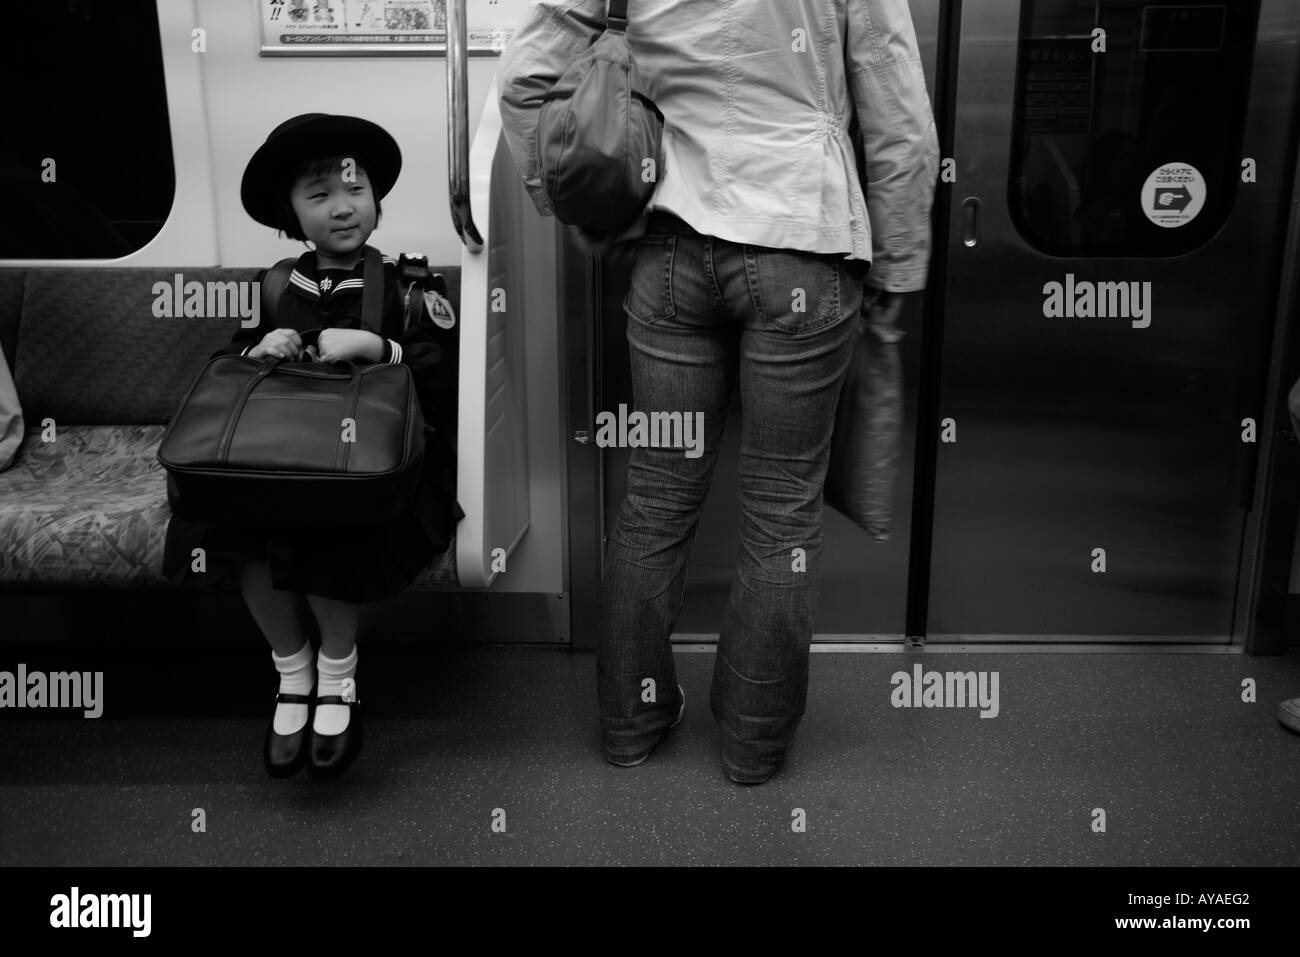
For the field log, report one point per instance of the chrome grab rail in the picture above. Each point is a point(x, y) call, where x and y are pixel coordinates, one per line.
point(462, 216)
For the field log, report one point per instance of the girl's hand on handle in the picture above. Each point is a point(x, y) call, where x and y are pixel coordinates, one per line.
point(284, 343)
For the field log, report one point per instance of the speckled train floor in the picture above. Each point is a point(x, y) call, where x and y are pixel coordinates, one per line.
point(1184, 770)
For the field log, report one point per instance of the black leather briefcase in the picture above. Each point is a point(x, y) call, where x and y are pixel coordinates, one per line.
point(296, 443)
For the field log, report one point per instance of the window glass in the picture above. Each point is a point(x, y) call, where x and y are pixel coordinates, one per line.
point(86, 159)
point(1135, 151)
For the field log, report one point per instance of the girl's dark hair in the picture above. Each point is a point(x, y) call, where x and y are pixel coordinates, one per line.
point(310, 166)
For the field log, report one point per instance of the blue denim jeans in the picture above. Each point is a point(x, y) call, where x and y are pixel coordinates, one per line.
point(706, 314)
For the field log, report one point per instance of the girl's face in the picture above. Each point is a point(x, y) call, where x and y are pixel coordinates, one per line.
point(336, 208)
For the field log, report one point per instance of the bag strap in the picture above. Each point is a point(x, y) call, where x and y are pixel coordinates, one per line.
point(372, 291)
point(274, 284)
point(616, 16)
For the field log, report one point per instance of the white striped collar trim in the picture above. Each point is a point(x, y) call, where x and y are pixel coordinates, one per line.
point(303, 283)
point(306, 285)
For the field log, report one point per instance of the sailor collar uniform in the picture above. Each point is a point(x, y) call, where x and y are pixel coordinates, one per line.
point(313, 282)
point(419, 328)
point(330, 298)
point(334, 294)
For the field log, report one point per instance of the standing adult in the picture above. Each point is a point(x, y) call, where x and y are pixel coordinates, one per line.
point(753, 261)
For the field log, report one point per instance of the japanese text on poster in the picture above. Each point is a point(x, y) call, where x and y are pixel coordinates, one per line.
point(382, 26)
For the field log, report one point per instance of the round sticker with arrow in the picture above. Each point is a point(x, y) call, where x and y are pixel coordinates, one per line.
point(1173, 195)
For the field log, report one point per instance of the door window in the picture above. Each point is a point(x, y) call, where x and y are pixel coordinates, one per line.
point(1135, 151)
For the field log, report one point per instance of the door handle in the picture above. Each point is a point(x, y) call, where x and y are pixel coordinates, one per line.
point(971, 206)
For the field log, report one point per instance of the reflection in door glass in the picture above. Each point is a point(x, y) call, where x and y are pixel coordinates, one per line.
point(1135, 151)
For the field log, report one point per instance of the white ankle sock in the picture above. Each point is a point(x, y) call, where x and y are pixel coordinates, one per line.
point(330, 676)
point(295, 678)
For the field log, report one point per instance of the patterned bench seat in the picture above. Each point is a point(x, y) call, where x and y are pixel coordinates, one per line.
point(90, 509)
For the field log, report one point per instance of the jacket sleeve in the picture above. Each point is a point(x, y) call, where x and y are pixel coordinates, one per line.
point(244, 339)
point(552, 36)
point(899, 141)
point(430, 347)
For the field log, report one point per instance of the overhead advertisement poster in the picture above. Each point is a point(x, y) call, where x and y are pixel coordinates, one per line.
point(381, 27)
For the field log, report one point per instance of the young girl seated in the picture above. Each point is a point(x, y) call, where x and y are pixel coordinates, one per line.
point(319, 178)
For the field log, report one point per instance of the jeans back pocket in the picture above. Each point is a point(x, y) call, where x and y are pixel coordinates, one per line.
point(797, 292)
point(650, 292)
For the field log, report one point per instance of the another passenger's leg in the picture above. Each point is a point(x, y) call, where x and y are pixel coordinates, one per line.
point(797, 344)
point(683, 360)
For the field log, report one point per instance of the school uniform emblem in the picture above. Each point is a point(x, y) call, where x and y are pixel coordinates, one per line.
point(440, 310)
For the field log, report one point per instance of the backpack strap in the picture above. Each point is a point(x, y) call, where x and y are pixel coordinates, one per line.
point(274, 284)
point(372, 291)
point(616, 16)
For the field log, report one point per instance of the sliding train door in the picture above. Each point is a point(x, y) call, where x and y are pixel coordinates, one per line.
point(1120, 175)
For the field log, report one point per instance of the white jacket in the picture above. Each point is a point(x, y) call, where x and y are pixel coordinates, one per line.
point(755, 97)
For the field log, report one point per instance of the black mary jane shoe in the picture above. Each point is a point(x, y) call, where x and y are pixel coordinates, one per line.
point(286, 754)
point(332, 754)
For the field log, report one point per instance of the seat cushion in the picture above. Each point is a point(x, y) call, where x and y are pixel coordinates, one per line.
point(90, 510)
point(85, 511)
point(440, 573)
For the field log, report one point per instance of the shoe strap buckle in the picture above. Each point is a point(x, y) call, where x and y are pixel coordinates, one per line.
point(350, 691)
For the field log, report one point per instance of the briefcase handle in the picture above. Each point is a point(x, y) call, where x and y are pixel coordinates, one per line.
point(314, 370)
point(310, 337)
point(268, 365)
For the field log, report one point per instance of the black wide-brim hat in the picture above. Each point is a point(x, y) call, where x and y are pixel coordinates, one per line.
point(266, 179)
